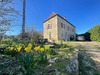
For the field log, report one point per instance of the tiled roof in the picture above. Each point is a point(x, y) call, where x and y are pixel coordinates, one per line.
point(53, 14)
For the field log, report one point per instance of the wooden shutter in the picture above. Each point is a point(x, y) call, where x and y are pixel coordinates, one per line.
point(50, 26)
point(61, 25)
point(64, 26)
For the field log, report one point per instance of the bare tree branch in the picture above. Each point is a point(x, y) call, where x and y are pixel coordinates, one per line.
point(8, 15)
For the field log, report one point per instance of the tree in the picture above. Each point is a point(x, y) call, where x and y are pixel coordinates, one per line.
point(93, 34)
point(8, 15)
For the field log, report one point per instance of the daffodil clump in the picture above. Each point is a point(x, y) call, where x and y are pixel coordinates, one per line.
point(10, 48)
point(61, 40)
point(42, 53)
point(15, 48)
point(42, 49)
point(10, 51)
point(28, 48)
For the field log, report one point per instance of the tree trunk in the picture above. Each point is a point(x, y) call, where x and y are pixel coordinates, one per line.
point(23, 26)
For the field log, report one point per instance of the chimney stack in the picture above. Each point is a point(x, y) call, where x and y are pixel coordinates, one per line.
point(64, 17)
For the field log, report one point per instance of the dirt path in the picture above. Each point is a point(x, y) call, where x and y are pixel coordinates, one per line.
point(91, 48)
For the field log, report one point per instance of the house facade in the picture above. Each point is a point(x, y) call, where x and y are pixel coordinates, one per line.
point(58, 28)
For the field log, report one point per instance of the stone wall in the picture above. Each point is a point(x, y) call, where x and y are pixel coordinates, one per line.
point(56, 30)
point(53, 30)
point(64, 31)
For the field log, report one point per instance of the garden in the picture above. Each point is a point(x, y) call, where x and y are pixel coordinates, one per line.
point(24, 57)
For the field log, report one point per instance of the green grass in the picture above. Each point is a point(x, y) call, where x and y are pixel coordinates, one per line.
point(97, 47)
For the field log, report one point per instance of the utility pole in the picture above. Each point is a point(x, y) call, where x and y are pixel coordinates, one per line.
point(23, 24)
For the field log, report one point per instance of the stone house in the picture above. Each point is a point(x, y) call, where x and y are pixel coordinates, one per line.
point(58, 28)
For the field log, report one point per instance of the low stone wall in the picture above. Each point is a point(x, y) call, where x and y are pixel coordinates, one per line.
point(72, 67)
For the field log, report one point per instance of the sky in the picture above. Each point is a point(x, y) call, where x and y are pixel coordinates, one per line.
point(83, 14)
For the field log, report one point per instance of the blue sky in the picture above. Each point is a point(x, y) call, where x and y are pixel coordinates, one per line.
point(84, 14)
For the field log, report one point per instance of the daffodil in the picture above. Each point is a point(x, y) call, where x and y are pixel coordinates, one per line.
point(62, 40)
point(47, 47)
point(29, 45)
point(36, 48)
point(27, 49)
point(19, 48)
point(11, 48)
point(59, 40)
point(42, 49)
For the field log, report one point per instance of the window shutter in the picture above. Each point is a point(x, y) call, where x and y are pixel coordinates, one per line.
point(61, 25)
point(50, 26)
point(64, 26)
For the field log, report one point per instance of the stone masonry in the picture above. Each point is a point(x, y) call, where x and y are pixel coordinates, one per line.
point(58, 28)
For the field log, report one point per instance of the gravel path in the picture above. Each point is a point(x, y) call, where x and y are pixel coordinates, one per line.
point(94, 52)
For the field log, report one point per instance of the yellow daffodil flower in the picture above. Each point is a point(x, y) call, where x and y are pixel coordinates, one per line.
point(42, 49)
point(19, 48)
point(11, 48)
point(47, 47)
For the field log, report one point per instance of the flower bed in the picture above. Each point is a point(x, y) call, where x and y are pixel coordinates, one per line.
point(38, 59)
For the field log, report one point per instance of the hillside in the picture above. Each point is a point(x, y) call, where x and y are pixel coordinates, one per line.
point(93, 34)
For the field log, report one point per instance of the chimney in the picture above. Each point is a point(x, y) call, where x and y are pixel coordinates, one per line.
point(64, 17)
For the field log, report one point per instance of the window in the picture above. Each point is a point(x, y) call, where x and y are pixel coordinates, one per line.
point(49, 26)
point(72, 30)
point(68, 27)
point(50, 35)
point(62, 25)
point(62, 36)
